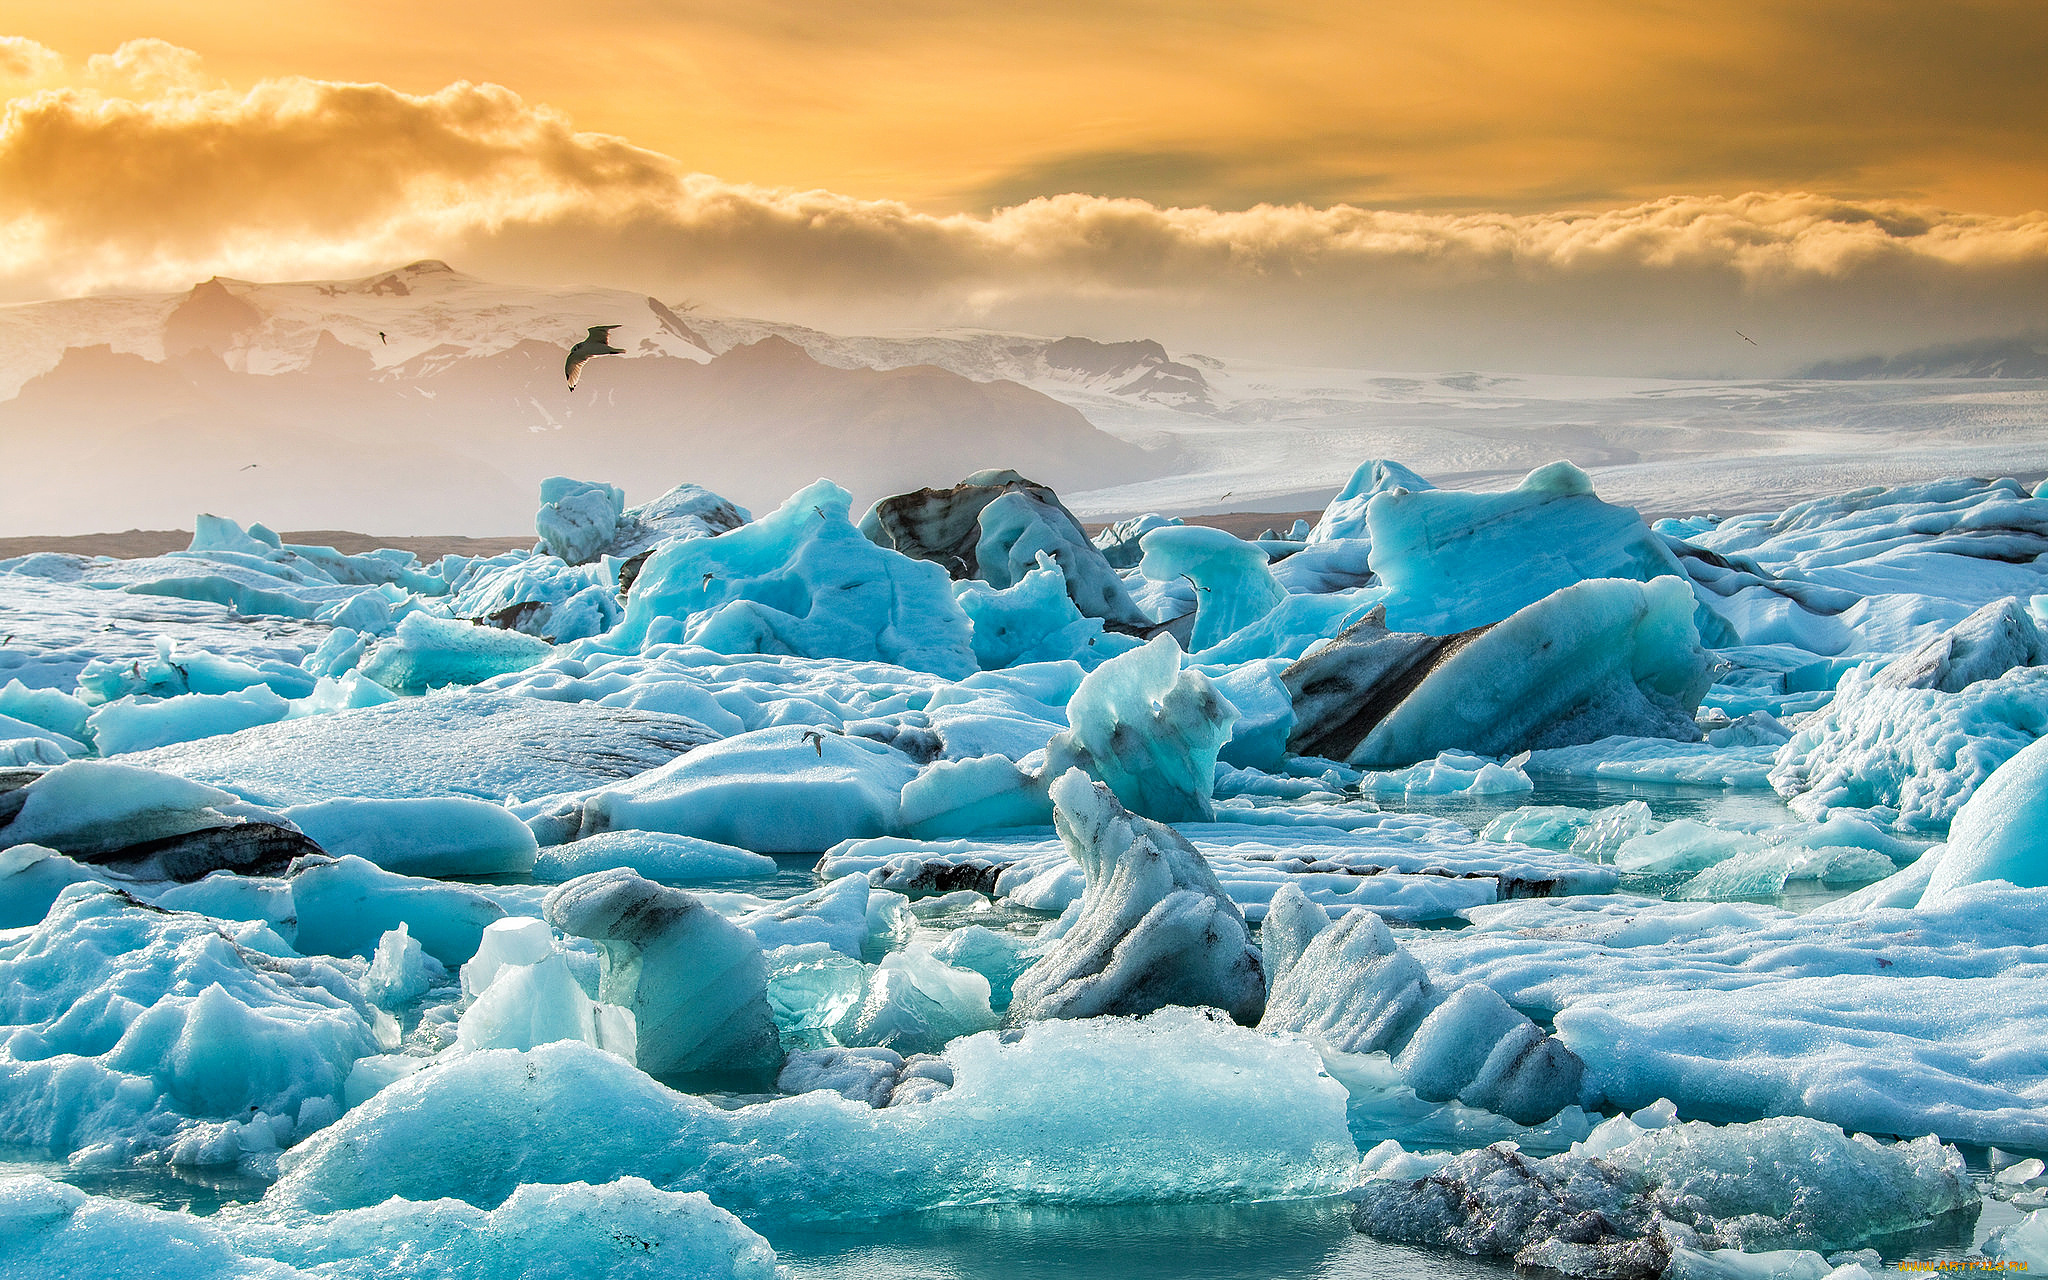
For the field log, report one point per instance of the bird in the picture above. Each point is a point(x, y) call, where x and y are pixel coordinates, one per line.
point(1745, 337)
point(252, 466)
point(599, 343)
point(817, 739)
point(381, 338)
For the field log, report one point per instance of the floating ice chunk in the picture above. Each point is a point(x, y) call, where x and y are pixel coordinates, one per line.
point(1454, 560)
point(839, 914)
point(1119, 543)
point(538, 596)
point(346, 692)
point(1150, 730)
point(694, 982)
point(810, 986)
point(443, 836)
point(1292, 922)
point(624, 1229)
point(578, 518)
point(1355, 990)
point(530, 1004)
point(1296, 624)
point(176, 670)
point(1034, 620)
point(1791, 1182)
point(1345, 517)
point(225, 895)
point(1589, 661)
point(1233, 586)
point(2001, 832)
point(1921, 752)
point(400, 971)
point(1681, 846)
point(996, 526)
point(26, 752)
point(782, 790)
point(1453, 773)
point(50, 709)
point(686, 511)
point(185, 1029)
point(426, 652)
point(865, 1074)
point(96, 807)
point(31, 877)
point(518, 940)
point(652, 854)
point(1995, 639)
point(916, 1003)
point(959, 797)
point(999, 957)
point(1176, 1107)
point(1763, 872)
point(455, 743)
point(2026, 1242)
point(801, 580)
point(347, 904)
point(1661, 760)
point(64, 748)
point(1154, 929)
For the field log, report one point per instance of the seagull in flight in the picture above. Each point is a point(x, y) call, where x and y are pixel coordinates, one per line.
point(381, 338)
point(252, 466)
point(599, 343)
point(1745, 337)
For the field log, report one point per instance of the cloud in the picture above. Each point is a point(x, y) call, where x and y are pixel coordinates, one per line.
point(137, 170)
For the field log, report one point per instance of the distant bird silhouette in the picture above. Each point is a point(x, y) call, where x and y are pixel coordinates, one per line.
point(381, 338)
point(252, 466)
point(599, 343)
point(1745, 337)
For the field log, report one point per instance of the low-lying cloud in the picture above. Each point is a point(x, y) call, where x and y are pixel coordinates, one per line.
point(137, 171)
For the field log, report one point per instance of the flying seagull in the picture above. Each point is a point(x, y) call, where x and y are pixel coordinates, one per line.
point(252, 466)
point(1745, 337)
point(599, 343)
point(381, 338)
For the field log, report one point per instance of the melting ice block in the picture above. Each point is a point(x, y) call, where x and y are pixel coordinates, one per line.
point(995, 526)
point(1154, 927)
point(801, 580)
point(1919, 751)
point(1770, 1184)
point(578, 518)
point(347, 904)
point(1150, 730)
point(190, 1037)
point(653, 854)
point(441, 836)
point(425, 652)
point(789, 789)
point(695, 982)
point(1233, 586)
point(456, 743)
point(1351, 987)
point(624, 1229)
point(2001, 832)
point(1177, 1107)
point(1591, 660)
point(1453, 560)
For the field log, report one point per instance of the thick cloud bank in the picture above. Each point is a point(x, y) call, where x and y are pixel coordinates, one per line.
point(137, 170)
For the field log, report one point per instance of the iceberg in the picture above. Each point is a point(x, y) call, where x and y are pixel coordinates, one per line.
point(1177, 1107)
point(1589, 661)
point(1153, 928)
point(695, 983)
point(801, 580)
point(1149, 729)
point(1454, 560)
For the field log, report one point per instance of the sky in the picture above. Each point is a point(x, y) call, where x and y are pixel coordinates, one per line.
point(1582, 186)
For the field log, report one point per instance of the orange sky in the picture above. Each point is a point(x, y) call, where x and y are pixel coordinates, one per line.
point(1583, 185)
point(1431, 104)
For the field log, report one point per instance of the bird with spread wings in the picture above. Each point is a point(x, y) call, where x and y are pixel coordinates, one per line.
point(599, 343)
